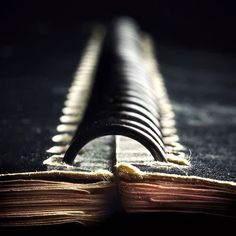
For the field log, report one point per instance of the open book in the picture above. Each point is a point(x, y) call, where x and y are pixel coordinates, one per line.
point(160, 138)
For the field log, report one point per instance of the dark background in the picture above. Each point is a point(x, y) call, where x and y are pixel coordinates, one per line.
point(40, 46)
point(199, 24)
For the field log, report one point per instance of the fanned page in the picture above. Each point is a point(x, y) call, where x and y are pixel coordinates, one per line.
point(199, 176)
point(42, 115)
point(195, 112)
point(123, 129)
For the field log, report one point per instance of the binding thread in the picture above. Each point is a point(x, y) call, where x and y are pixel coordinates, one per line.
point(128, 97)
point(77, 97)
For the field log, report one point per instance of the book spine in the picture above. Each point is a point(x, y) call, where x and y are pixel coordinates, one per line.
point(123, 101)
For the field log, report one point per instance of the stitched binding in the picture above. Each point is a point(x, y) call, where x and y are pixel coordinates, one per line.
point(128, 98)
point(77, 98)
point(123, 100)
